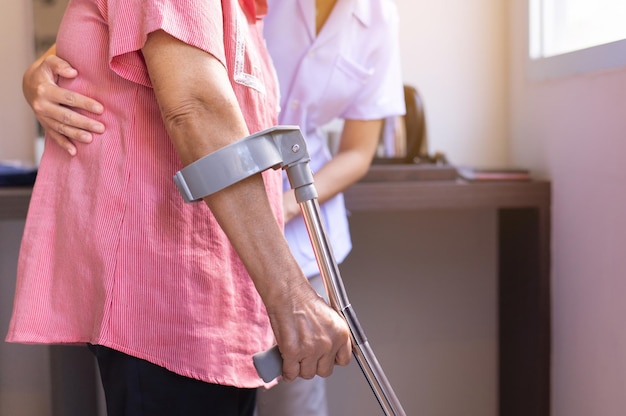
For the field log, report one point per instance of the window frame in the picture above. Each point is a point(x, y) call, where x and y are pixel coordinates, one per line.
point(604, 57)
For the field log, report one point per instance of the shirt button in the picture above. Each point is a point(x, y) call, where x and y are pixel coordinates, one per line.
point(294, 104)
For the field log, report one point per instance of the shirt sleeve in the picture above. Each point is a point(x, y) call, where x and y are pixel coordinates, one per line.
point(383, 94)
point(196, 22)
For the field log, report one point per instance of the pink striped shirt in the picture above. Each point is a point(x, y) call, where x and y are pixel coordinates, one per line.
point(111, 254)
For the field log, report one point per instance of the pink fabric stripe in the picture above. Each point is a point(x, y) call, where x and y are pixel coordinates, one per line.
point(111, 254)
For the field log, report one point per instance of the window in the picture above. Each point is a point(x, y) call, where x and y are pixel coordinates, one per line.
point(573, 36)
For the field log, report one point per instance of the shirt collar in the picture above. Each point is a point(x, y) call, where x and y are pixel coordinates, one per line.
point(362, 11)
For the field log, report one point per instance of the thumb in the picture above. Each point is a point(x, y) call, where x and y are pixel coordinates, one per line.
point(59, 67)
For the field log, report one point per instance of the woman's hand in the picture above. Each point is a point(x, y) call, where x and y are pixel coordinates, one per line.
point(55, 107)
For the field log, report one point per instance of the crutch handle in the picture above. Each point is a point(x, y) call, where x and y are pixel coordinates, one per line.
point(268, 364)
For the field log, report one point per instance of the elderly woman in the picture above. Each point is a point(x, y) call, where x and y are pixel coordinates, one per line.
point(333, 60)
point(173, 298)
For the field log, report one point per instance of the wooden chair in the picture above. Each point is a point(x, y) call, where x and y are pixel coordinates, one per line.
point(410, 129)
point(414, 124)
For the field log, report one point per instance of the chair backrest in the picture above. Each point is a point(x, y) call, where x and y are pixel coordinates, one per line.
point(403, 138)
point(415, 124)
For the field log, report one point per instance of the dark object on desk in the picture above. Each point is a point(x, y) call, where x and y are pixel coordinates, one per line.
point(493, 174)
point(404, 140)
point(16, 175)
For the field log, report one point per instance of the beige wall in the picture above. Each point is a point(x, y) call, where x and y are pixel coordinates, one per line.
point(17, 50)
point(573, 130)
point(454, 52)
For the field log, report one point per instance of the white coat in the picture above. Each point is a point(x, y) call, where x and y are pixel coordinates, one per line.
point(350, 70)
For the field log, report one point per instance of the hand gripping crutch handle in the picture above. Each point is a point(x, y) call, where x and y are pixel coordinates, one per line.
point(269, 363)
point(284, 147)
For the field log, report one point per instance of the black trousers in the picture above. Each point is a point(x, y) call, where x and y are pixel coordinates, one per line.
point(135, 387)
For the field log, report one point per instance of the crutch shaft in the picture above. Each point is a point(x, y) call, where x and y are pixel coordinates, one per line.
point(338, 299)
point(284, 147)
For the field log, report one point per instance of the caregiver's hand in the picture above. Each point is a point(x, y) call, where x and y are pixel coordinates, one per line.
point(55, 107)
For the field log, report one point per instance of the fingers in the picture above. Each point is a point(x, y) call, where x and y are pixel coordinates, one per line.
point(317, 347)
point(60, 104)
point(45, 79)
point(75, 125)
point(72, 127)
point(344, 354)
point(69, 123)
point(71, 99)
point(312, 337)
point(63, 142)
point(292, 352)
point(308, 368)
point(56, 107)
point(340, 356)
point(322, 366)
point(291, 370)
point(60, 67)
point(66, 126)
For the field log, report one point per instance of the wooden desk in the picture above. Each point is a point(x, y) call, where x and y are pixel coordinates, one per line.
point(523, 267)
point(14, 203)
point(523, 210)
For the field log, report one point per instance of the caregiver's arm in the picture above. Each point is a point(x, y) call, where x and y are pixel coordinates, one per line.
point(356, 150)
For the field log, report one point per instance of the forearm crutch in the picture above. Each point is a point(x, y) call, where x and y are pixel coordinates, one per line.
point(284, 147)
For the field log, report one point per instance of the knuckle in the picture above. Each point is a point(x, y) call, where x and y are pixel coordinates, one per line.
point(325, 373)
point(41, 90)
point(67, 118)
point(70, 98)
point(37, 107)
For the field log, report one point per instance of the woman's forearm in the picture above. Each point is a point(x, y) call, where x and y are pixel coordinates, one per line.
point(201, 121)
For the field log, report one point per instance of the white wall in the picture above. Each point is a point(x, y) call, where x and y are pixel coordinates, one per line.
point(574, 130)
point(17, 50)
point(454, 52)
